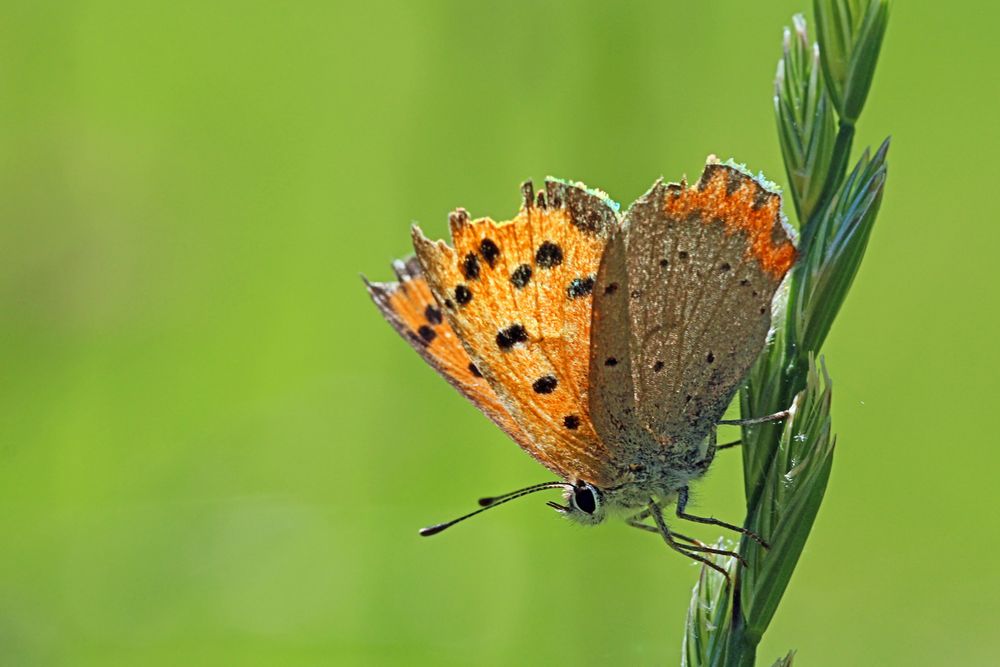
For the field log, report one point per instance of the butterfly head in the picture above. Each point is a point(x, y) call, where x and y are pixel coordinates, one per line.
point(584, 504)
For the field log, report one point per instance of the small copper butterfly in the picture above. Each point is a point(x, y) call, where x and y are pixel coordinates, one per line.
point(607, 346)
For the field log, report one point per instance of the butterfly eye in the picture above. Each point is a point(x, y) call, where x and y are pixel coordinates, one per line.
point(585, 498)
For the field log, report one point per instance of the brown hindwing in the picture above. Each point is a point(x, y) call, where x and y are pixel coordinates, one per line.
point(693, 272)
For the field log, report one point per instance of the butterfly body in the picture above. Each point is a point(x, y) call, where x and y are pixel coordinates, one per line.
point(607, 346)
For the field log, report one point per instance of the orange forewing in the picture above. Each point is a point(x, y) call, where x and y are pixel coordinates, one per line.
point(518, 295)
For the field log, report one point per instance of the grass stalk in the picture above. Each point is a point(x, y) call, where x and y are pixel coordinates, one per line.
point(820, 91)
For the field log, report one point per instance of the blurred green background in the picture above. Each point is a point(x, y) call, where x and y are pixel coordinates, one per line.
point(213, 450)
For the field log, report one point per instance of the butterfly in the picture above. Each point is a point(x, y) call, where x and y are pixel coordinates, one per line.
point(607, 345)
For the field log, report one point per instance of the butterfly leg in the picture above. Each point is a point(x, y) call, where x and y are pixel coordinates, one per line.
point(734, 443)
point(682, 500)
point(695, 545)
point(637, 522)
point(687, 550)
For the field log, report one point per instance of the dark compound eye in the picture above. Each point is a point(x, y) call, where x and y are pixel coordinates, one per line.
point(585, 500)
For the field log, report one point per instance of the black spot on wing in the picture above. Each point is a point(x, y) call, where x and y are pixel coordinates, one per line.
point(462, 295)
point(432, 314)
point(489, 250)
point(470, 267)
point(521, 276)
point(426, 333)
point(549, 255)
point(580, 287)
point(545, 385)
point(511, 336)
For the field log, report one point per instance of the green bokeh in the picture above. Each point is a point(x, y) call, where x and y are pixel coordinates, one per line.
point(212, 449)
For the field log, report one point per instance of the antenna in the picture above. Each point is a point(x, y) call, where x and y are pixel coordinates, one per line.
point(492, 500)
point(490, 503)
